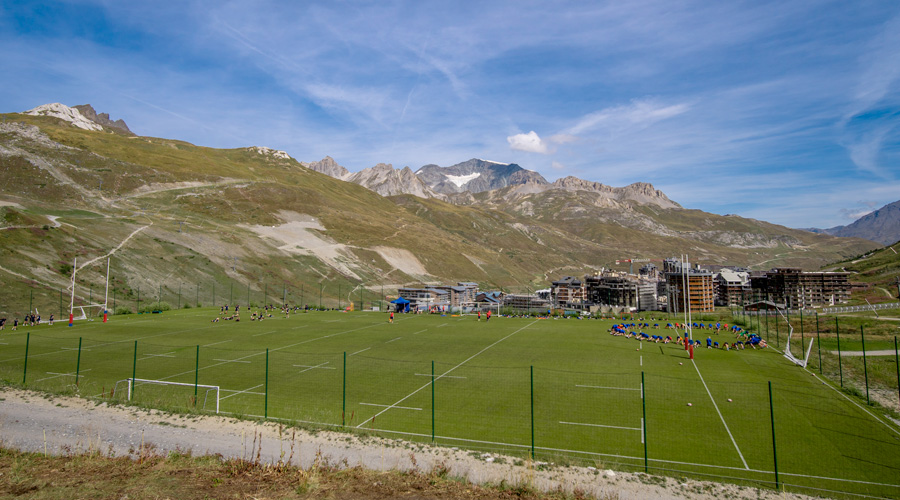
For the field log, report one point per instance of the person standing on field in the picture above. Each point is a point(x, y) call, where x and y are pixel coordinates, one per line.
point(392, 317)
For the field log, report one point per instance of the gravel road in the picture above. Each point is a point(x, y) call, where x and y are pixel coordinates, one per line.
point(36, 422)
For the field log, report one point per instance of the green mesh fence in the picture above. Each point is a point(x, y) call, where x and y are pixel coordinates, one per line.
point(594, 417)
point(694, 425)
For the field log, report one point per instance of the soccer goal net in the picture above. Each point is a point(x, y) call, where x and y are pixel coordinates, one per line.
point(204, 397)
point(787, 348)
point(88, 312)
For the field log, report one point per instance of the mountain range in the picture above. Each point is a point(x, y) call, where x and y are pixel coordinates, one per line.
point(169, 213)
point(882, 226)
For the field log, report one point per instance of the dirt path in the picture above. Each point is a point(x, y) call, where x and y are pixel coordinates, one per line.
point(32, 421)
point(120, 245)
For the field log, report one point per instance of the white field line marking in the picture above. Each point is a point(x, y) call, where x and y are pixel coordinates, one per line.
point(444, 376)
point(308, 368)
point(275, 349)
point(854, 402)
point(317, 366)
point(606, 426)
point(393, 406)
point(389, 341)
point(445, 324)
point(245, 391)
point(357, 352)
point(847, 398)
point(720, 415)
point(75, 349)
point(334, 321)
point(445, 373)
point(642, 360)
point(215, 343)
point(230, 360)
point(425, 330)
point(57, 375)
point(612, 388)
point(264, 333)
point(296, 327)
point(151, 356)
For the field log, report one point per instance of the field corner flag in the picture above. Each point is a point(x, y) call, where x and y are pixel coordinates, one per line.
point(71, 319)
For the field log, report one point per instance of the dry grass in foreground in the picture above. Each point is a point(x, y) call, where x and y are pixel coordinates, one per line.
point(182, 476)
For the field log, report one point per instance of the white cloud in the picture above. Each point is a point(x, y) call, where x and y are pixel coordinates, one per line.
point(530, 143)
point(640, 113)
point(557, 166)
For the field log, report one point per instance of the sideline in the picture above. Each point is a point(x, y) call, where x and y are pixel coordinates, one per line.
point(720, 416)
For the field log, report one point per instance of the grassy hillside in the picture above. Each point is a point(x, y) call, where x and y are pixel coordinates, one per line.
point(175, 216)
point(879, 270)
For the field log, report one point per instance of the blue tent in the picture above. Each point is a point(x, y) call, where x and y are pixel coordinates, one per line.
point(402, 304)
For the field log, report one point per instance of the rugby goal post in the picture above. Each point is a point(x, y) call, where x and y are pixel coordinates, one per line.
point(130, 383)
point(83, 315)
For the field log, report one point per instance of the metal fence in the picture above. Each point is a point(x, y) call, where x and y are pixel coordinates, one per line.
point(799, 436)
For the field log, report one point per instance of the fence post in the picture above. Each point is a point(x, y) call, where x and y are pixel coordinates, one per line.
point(78, 362)
point(774, 450)
point(134, 369)
point(897, 365)
point(532, 412)
point(266, 403)
point(865, 365)
point(802, 338)
point(432, 401)
point(818, 343)
point(837, 331)
point(196, 374)
point(25, 367)
point(344, 394)
point(777, 333)
point(644, 424)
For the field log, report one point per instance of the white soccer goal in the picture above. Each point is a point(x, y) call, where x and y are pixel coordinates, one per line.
point(207, 389)
point(787, 348)
point(93, 311)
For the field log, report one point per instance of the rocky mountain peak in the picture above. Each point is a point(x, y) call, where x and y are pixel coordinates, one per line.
point(103, 119)
point(275, 153)
point(476, 175)
point(386, 181)
point(82, 116)
point(330, 168)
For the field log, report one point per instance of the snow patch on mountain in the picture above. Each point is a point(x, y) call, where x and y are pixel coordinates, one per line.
point(461, 180)
point(66, 113)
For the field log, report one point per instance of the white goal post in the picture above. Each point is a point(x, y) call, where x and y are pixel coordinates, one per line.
point(787, 348)
point(72, 306)
point(207, 388)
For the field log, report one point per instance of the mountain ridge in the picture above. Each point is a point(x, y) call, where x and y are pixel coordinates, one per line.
point(171, 211)
point(881, 226)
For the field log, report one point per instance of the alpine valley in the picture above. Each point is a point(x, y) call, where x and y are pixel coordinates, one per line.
point(174, 216)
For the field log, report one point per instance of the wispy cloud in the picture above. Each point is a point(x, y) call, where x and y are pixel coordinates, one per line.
point(774, 110)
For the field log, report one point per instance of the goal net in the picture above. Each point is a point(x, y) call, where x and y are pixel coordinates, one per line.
point(174, 393)
point(88, 312)
point(787, 348)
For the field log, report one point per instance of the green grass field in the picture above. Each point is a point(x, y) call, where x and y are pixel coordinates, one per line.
point(566, 386)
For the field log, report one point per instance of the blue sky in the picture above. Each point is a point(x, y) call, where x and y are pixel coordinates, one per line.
point(784, 111)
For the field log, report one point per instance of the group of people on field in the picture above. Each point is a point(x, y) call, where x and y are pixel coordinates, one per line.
point(257, 315)
point(742, 337)
point(30, 319)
